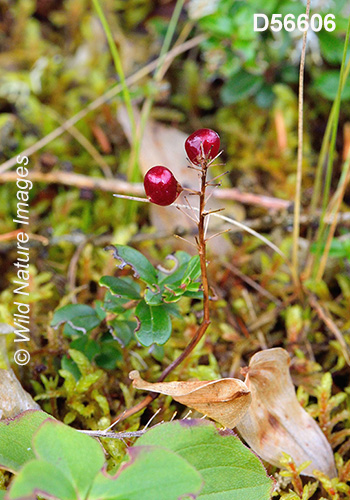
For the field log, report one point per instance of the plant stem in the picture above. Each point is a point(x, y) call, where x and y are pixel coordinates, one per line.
point(201, 246)
point(202, 251)
point(296, 223)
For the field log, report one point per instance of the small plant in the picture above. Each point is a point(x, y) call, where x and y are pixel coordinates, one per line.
point(152, 313)
point(183, 459)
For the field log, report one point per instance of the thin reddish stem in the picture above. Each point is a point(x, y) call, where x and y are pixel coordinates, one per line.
point(201, 246)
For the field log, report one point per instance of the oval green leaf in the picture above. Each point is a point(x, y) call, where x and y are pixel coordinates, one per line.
point(154, 324)
point(229, 469)
point(141, 266)
point(16, 436)
point(120, 287)
point(150, 471)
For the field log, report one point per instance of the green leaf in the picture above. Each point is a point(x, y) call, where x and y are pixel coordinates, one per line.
point(150, 471)
point(2, 494)
point(68, 461)
point(114, 304)
point(120, 287)
point(81, 317)
point(182, 259)
point(123, 330)
point(153, 298)
point(154, 324)
point(41, 478)
point(87, 346)
point(16, 438)
point(69, 466)
point(239, 86)
point(69, 365)
point(331, 46)
point(77, 456)
point(229, 469)
point(141, 266)
point(327, 85)
point(193, 270)
point(109, 355)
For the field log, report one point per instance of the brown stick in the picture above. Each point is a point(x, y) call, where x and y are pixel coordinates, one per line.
point(79, 181)
point(122, 187)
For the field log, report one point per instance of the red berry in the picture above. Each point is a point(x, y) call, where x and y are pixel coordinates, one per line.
point(161, 186)
point(211, 144)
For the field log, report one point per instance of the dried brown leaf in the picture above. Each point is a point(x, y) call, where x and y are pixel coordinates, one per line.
point(225, 400)
point(275, 422)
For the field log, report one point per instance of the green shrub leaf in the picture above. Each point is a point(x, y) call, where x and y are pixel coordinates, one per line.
point(81, 318)
point(120, 287)
point(327, 85)
point(240, 86)
point(154, 324)
point(229, 469)
point(141, 266)
point(193, 270)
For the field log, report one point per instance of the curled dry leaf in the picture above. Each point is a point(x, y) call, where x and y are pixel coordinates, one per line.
point(275, 421)
point(225, 400)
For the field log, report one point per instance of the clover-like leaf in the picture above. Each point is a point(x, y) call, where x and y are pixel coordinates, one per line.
point(68, 465)
point(16, 438)
point(67, 461)
point(150, 470)
point(229, 469)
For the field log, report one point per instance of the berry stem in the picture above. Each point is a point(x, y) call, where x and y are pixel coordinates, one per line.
point(201, 247)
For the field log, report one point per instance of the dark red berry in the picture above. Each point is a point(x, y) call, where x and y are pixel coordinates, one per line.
point(161, 186)
point(211, 144)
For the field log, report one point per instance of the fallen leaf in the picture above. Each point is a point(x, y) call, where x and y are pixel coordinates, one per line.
point(225, 400)
point(275, 422)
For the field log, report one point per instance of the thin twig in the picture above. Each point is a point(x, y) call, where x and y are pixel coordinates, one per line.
point(114, 435)
point(125, 188)
point(296, 222)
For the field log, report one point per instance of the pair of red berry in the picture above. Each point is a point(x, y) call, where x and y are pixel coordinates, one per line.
point(160, 184)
